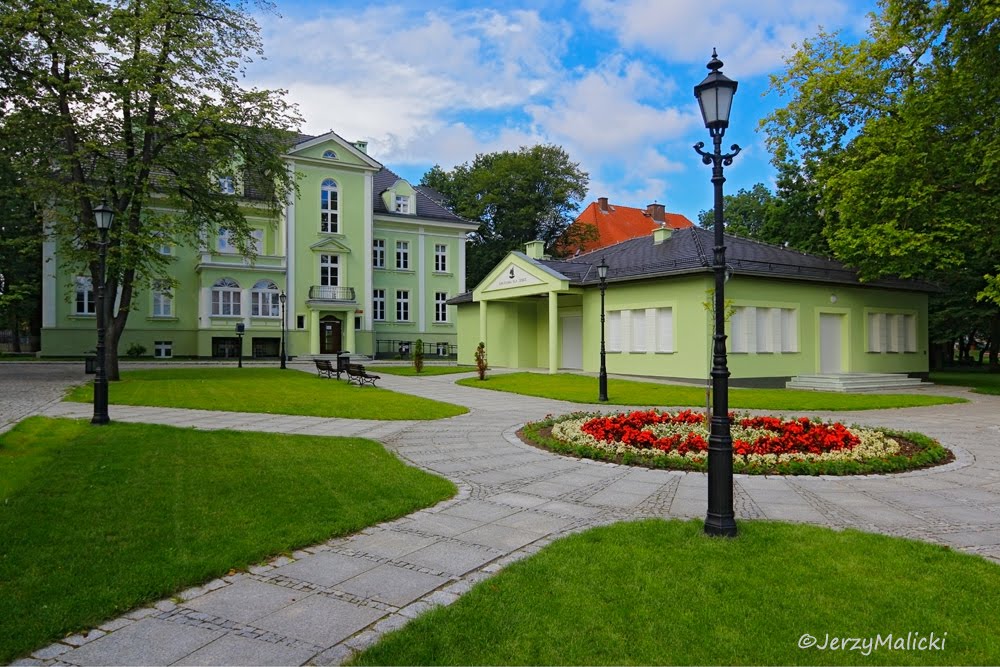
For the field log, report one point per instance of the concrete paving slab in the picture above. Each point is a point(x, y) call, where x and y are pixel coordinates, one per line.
point(325, 568)
point(234, 650)
point(534, 521)
point(452, 558)
point(502, 538)
point(245, 601)
point(440, 523)
point(620, 499)
point(320, 620)
point(151, 641)
point(393, 585)
point(390, 543)
point(522, 500)
point(570, 509)
point(972, 538)
point(479, 510)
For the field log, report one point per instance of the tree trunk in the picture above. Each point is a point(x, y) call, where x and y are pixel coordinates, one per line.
point(983, 349)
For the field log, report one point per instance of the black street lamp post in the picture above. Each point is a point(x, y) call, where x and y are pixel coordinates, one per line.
point(104, 215)
point(715, 97)
point(282, 298)
point(240, 329)
point(602, 378)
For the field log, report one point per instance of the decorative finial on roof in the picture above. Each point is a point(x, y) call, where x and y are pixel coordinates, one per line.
point(714, 64)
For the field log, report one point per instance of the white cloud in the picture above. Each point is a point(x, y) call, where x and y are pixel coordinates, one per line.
point(752, 37)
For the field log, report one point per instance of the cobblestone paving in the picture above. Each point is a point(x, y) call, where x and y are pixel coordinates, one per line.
point(324, 603)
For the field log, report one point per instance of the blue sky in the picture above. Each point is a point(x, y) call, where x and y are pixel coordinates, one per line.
point(610, 81)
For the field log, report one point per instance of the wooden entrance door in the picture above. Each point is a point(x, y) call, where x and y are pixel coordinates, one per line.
point(329, 335)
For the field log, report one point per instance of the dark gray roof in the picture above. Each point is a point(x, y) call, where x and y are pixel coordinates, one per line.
point(433, 194)
point(426, 207)
point(691, 251)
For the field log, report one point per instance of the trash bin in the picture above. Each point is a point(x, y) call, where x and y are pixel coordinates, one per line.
point(343, 359)
point(90, 364)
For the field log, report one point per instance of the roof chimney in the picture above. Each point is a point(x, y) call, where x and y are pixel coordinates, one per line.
point(535, 249)
point(602, 203)
point(361, 146)
point(657, 212)
point(661, 234)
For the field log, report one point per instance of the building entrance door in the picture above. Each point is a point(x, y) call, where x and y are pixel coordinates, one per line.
point(829, 343)
point(329, 335)
point(572, 342)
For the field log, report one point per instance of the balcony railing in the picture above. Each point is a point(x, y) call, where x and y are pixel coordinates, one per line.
point(330, 293)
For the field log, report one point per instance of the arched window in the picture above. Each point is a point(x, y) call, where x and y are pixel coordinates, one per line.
point(329, 155)
point(226, 298)
point(264, 299)
point(329, 207)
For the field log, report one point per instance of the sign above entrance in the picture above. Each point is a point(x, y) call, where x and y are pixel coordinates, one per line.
point(513, 276)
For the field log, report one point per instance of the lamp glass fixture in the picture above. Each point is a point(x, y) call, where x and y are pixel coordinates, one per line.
point(602, 269)
point(104, 215)
point(715, 95)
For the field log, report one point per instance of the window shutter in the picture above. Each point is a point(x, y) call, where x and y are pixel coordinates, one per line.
point(664, 330)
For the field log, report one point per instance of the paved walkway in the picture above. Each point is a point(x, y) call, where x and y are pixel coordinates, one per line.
point(327, 601)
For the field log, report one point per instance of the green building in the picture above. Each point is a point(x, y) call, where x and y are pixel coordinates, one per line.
point(790, 314)
point(366, 261)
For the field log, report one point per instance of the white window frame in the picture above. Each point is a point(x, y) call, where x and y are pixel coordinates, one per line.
point(614, 331)
point(664, 329)
point(440, 258)
point(441, 349)
point(329, 270)
point(440, 307)
point(329, 155)
point(402, 204)
point(227, 184)
point(402, 255)
point(378, 305)
point(264, 299)
point(227, 298)
point(378, 253)
point(329, 207)
point(162, 300)
point(163, 349)
point(402, 305)
point(84, 301)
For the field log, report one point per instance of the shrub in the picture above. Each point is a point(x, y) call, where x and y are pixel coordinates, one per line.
point(481, 365)
point(135, 350)
point(418, 356)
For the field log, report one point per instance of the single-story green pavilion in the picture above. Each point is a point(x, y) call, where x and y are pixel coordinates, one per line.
point(789, 314)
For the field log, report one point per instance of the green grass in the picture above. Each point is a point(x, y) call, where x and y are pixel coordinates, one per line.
point(982, 382)
point(268, 390)
point(96, 521)
point(428, 370)
point(583, 389)
point(662, 593)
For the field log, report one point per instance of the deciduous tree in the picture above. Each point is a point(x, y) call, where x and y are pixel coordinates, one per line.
point(516, 196)
point(138, 103)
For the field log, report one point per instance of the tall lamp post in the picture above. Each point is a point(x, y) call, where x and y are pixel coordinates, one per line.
point(282, 298)
point(104, 215)
point(715, 97)
point(240, 330)
point(602, 378)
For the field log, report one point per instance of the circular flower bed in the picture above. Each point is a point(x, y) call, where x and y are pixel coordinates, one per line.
point(760, 444)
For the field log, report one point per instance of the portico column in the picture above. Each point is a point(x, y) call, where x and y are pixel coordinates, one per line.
point(314, 332)
point(349, 338)
point(553, 332)
point(482, 322)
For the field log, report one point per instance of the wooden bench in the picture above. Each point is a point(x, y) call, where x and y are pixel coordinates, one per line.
point(356, 373)
point(326, 368)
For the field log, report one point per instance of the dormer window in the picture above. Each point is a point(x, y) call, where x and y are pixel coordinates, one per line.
point(227, 185)
point(402, 204)
point(329, 155)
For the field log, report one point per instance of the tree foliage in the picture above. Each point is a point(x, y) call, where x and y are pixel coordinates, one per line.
point(901, 134)
point(138, 103)
point(515, 196)
point(20, 258)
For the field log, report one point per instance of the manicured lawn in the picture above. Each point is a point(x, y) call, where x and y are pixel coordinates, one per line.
point(982, 382)
point(96, 521)
point(428, 370)
point(662, 593)
point(583, 389)
point(268, 390)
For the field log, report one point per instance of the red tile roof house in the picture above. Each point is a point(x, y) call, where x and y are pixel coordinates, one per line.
point(614, 224)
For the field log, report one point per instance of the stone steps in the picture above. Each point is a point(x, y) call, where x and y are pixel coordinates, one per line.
point(855, 382)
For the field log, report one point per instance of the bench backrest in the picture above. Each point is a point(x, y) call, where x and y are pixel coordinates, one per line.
point(355, 369)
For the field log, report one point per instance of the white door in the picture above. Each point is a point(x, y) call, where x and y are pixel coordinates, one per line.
point(830, 343)
point(572, 342)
